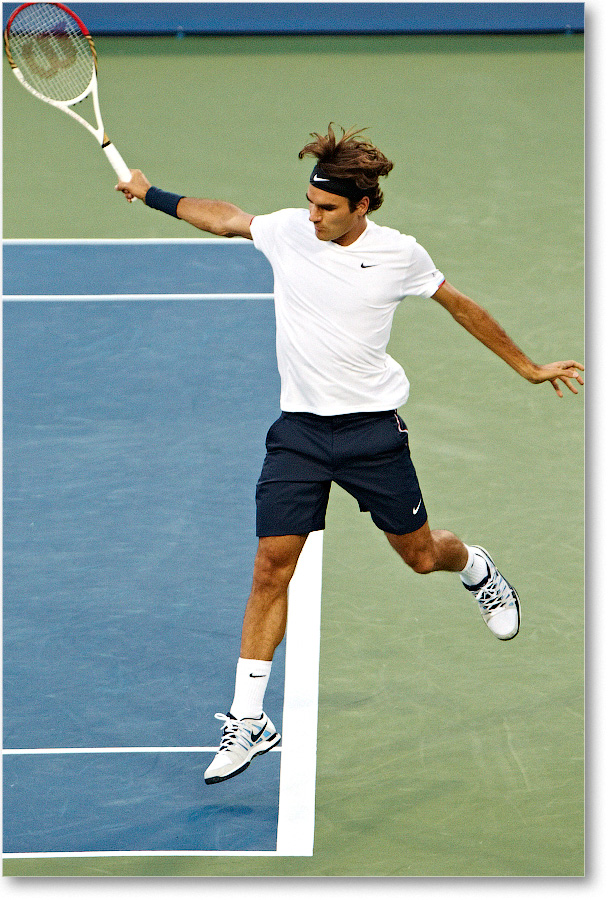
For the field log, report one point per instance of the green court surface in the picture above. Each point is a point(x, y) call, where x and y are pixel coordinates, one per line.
point(441, 751)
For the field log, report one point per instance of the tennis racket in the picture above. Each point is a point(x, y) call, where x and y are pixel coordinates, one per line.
point(53, 55)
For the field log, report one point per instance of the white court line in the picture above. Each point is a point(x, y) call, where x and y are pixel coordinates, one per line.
point(90, 297)
point(295, 834)
point(25, 242)
point(49, 751)
point(105, 853)
point(295, 830)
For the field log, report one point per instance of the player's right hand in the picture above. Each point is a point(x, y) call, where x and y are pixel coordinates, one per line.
point(137, 187)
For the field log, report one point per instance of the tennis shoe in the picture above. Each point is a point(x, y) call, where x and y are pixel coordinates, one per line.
point(498, 601)
point(242, 740)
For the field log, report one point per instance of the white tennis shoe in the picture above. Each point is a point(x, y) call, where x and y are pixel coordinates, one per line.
point(498, 601)
point(242, 740)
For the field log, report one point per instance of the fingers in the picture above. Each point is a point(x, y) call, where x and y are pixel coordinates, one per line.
point(122, 187)
point(566, 381)
point(128, 195)
point(571, 386)
point(572, 367)
point(135, 187)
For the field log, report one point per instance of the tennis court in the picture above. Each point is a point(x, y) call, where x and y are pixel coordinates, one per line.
point(131, 367)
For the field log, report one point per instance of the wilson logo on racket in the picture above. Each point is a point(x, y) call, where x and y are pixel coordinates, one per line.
point(53, 56)
point(51, 53)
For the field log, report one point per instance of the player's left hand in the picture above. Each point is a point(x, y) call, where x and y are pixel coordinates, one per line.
point(564, 371)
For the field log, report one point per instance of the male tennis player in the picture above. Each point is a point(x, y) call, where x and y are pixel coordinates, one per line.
point(338, 280)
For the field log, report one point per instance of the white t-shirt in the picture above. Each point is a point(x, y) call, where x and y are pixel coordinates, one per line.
point(334, 310)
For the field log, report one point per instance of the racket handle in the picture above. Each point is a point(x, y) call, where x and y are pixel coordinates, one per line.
point(117, 162)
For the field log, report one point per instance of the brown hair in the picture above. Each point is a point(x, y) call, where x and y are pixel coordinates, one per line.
point(351, 157)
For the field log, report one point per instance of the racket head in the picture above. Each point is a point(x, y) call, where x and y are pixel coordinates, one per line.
point(52, 50)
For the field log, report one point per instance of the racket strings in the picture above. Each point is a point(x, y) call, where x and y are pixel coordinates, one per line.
point(52, 53)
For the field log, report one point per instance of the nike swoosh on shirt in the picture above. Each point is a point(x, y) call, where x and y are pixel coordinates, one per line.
point(369, 265)
point(418, 507)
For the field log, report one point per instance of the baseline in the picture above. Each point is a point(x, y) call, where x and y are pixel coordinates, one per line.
point(118, 297)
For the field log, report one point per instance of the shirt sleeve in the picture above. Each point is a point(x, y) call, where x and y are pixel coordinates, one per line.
point(422, 278)
point(265, 229)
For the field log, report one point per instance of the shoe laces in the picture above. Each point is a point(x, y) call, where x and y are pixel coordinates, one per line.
point(230, 731)
point(233, 732)
point(491, 595)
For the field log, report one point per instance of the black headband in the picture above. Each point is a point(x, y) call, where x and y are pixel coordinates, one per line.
point(343, 187)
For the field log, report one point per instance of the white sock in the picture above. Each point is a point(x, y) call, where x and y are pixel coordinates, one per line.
point(476, 568)
point(251, 679)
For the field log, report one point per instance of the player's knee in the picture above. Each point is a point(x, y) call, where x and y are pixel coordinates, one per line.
point(267, 574)
point(416, 552)
point(421, 562)
point(274, 565)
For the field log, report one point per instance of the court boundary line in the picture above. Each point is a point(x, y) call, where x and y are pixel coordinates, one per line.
point(296, 822)
point(48, 298)
point(59, 751)
point(94, 854)
point(19, 242)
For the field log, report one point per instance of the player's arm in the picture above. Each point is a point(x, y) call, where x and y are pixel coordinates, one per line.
point(214, 216)
point(486, 329)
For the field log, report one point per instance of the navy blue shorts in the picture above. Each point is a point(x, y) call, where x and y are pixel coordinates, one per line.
point(367, 454)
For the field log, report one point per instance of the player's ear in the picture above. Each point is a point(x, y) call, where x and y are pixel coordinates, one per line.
point(363, 206)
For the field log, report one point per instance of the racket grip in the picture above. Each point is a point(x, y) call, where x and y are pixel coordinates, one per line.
point(117, 162)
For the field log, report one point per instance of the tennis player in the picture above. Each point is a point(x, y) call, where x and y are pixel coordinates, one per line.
point(338, 279)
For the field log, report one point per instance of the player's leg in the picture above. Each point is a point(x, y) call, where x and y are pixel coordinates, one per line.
point(427, 551)
point(291, 500)
point(247, 731)
point(377, 469)
point(266, 611)
point(433, 551)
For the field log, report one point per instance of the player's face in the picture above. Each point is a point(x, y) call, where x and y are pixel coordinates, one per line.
point(332, 217)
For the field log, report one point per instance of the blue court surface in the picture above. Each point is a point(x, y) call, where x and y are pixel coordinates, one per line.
point(137, 395)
